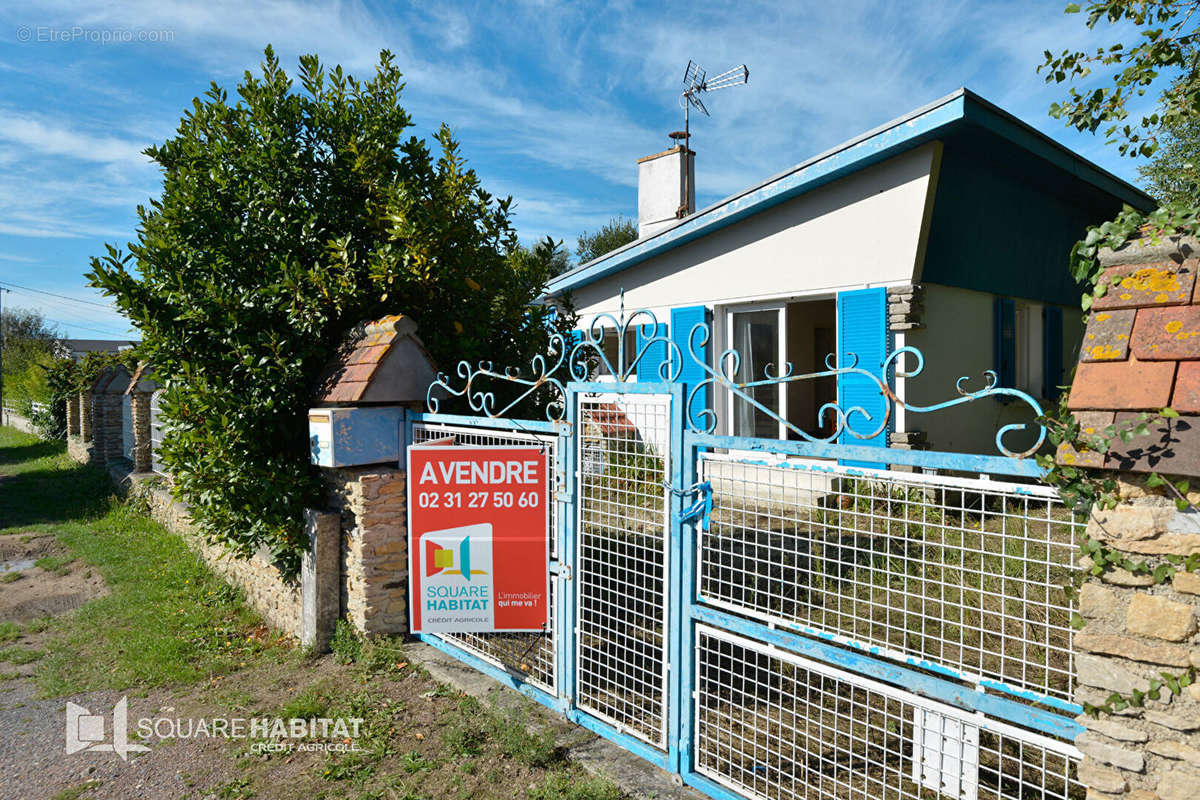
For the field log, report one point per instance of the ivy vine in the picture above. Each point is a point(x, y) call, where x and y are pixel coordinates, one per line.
point(1083, 488)
point(1174, 683)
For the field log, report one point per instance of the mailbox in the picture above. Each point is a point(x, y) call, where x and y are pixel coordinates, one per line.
point(352, 436)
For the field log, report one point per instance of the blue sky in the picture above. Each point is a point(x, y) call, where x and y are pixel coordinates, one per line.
point(553, 102)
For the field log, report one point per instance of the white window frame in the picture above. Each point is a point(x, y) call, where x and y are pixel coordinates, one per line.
point(726, 328)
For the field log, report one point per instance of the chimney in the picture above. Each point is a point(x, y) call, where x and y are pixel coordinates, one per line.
point(666, 189)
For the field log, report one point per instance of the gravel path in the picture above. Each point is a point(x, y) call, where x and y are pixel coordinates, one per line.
point(34, 763)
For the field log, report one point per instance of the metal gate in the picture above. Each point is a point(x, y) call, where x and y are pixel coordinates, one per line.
point(764, 620)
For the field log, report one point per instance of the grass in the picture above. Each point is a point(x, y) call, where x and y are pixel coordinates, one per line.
point(20, 655)
point(168, 622)
point(967, 578)
point(564, 787)
point(56, 564)
point(166, 619)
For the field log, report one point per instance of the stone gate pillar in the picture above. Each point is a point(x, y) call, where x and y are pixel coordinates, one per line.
point(1138, 650)
point(141, 390)
point(84, 402)
point(72, 404)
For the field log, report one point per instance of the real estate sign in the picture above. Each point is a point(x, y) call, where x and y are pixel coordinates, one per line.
point(479, 546)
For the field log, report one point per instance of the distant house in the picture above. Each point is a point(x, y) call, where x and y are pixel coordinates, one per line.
point(78, 348)
point(947, 229)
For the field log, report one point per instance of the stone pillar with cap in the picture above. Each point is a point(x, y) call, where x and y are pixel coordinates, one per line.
point(141, 391)
point(1141, 354)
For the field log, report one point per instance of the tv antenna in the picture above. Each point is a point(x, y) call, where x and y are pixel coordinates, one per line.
point(696, 83)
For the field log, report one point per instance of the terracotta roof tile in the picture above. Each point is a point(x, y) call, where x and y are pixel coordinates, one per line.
point(1107, 336)
point(1186, 397)
point(612, 421)
point(368, 355)
point(1167, 333)
point(1173, 446)
point(1122, 385)
point(1092, 422)
point(1141, 352)
point(1140, 285)
point(350, 372)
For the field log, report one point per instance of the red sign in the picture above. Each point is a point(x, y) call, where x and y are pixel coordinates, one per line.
point(479, 546)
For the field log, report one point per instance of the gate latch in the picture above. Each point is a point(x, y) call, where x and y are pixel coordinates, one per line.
point(701, 509)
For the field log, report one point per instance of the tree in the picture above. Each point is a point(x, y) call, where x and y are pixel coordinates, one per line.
point(1173, 174)
point(617, 232)
point(557, 258)
point(29, 346)
point(286, 217)
point(1163, 60)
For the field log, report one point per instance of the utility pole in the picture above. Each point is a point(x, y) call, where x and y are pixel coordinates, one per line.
point(3, 342)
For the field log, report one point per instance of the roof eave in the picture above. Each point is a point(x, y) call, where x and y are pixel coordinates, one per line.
point(907, 132)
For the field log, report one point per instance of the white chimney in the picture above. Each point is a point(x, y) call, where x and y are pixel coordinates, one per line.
point(666, 189)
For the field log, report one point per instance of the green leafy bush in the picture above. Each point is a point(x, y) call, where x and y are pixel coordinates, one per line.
point(288, 215)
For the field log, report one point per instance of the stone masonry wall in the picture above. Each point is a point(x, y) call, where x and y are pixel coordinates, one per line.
point(139, 406)
point(85, 416)
point(72, 405)
point(373, 506)
point(1135, 631)
point(107, 426)
point(369, 570)
point(266, 592)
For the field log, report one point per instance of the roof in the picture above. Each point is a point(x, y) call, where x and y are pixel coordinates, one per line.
point(960, 109)
point(379, 361)
point(98, 345)
point(1141, 353)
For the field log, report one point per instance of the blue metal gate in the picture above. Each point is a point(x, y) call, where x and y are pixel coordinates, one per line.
point(765, 619)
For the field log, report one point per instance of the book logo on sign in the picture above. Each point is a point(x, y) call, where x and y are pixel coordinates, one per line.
point(456, 564)
point(440, 560)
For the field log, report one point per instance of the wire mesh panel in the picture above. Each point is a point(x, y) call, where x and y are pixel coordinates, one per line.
point(532, 656)
point(968, 574)
point(621, 551)
point(771, 724)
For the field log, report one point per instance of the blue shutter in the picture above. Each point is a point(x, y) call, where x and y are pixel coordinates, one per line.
point(647, 368)
point(1052, 359)
point(862, 330)
point(682, 322)
point(1006, 342)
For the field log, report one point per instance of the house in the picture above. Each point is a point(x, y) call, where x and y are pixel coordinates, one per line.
point(947, 230)
point(76, 349)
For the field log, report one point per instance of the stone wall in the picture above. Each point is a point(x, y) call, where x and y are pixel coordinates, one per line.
point(139, 405)
point(107, 426)
point(1136, 630)
point(905, 308)
point(85, 415)
point(279, 602)
point(17, 421)
point(356, 567)
point(72, 405)
point(373, 505)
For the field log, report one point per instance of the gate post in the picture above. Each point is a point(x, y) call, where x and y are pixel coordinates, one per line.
point(569, 458)
point(1137, 653)
point(678, 623)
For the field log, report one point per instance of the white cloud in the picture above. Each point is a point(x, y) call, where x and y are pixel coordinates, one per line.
point(38, 135)
point(559, 99)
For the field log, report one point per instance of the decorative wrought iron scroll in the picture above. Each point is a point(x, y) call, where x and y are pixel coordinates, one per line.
point(574, 360)
point(580, 358)
point(729, 363)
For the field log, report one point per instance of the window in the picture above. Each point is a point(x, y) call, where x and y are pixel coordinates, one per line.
point(1029, 346)
point(756, 335)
